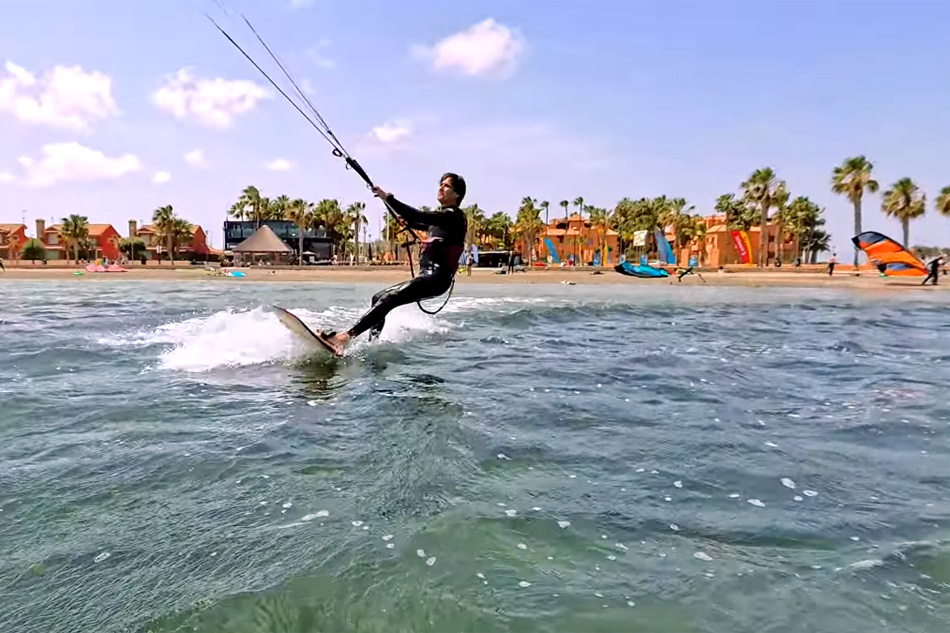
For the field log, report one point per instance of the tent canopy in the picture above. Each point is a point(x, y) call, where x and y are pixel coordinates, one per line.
point(264, 240)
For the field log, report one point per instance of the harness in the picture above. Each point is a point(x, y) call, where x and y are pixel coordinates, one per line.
point(410, 240)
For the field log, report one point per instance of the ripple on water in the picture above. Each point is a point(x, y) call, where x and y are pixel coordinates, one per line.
point(533, 456)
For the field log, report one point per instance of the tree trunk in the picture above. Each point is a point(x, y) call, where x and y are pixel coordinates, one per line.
point(763, 237)
point(300, 245)
point(171, 253)
point(857, 229)
point(905, 225)
point(778, 241)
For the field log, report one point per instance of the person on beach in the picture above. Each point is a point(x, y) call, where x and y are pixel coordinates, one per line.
point(442, 249)
point(831, 265)
point(934, 271)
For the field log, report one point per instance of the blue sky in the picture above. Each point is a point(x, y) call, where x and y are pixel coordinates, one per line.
point(550, 99)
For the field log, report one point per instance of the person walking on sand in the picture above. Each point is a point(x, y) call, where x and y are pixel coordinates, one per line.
point(438, 263)
point(831, 265)
point(934, 268)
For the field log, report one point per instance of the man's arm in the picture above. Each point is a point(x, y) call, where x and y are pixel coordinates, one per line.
point(421, 220)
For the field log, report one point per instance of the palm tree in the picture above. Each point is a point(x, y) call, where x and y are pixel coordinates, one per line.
point(354, 213)
point(183, 233)
point(546, 205)
point(500, 228)
point(476, 223)
point(763, 189)
point(393, 228)
point(601, 217)
point(579, 203)
point(852, 178)
point(528, 225)
point(332, 218)
point(278, 208)
point(163, 221)
point(565, 204)
point(905, 201)
point(943, 202)
point(75, 231)
point(251, 205)
point(300, 213)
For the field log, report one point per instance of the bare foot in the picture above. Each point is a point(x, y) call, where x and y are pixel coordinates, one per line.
point(338, 342)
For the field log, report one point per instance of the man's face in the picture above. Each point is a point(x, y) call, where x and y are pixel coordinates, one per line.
point(447, 195)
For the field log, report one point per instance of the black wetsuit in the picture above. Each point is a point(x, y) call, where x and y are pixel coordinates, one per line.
point(446, 228)
point(934, 272)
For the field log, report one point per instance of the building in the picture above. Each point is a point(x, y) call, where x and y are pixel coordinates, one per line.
point(103, 237)
point(575, 238)
point(315, 241)
point(12, 239)
point(196, 249)
point(725, 246)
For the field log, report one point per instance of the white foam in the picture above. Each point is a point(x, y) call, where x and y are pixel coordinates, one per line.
point(788, 483)
point(524, 584)
point(702, 556)
point(756, 503)
point(225, 339)
point(511, 513)
point(317, 515)
point(522, 546)
point(678, 484)
point(430, 561)
point(674, 527)
point(563, 524)
point(388, 537)
point(421, 553)
point(101, 557)
point(809, 493)
point(797, 498)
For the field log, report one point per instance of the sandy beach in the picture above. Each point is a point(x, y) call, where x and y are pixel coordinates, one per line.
point(395, 274)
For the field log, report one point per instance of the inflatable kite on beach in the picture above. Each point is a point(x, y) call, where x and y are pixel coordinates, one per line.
point(890, 256)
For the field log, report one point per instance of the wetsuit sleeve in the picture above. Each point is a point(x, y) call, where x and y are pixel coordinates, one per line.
point(422, 220)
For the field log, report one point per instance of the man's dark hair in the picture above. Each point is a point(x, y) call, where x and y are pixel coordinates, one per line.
point(458, 184)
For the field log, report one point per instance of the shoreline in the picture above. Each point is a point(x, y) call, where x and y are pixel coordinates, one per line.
point(391, 275)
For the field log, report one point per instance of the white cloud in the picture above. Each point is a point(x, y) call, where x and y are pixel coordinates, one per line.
point(391, 132)
point(65, 97)
point(484, 48)
point(63, 162)
point(196, 158)
point(212, 102)
point(317, 55)
point(280, 164)
point(6, 177)
point(301, 4)
point(161, 177)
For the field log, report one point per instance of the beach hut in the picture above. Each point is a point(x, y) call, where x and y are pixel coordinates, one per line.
point(264, 242)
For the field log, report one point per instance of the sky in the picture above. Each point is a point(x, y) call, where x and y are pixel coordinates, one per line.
point(113, 108)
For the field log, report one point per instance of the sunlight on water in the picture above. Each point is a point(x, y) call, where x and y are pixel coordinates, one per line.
point(558, 459)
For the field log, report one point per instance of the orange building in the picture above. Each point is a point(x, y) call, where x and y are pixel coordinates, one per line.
point(104, 236)
point(562, 240)
point(725, 246)
point(12, 239)
point(197, 248)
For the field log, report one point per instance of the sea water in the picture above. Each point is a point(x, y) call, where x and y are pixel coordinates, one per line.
point(634, 457)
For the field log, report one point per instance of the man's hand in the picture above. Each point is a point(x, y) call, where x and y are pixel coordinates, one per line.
point(380, 192)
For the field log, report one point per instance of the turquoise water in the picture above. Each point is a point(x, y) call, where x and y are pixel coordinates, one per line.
point(534, 458)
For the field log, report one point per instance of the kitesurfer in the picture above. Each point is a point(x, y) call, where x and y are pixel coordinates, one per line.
point(438, 262)
point(934, 271)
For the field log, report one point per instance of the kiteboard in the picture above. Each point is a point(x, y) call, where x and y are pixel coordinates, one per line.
point(293, 323)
